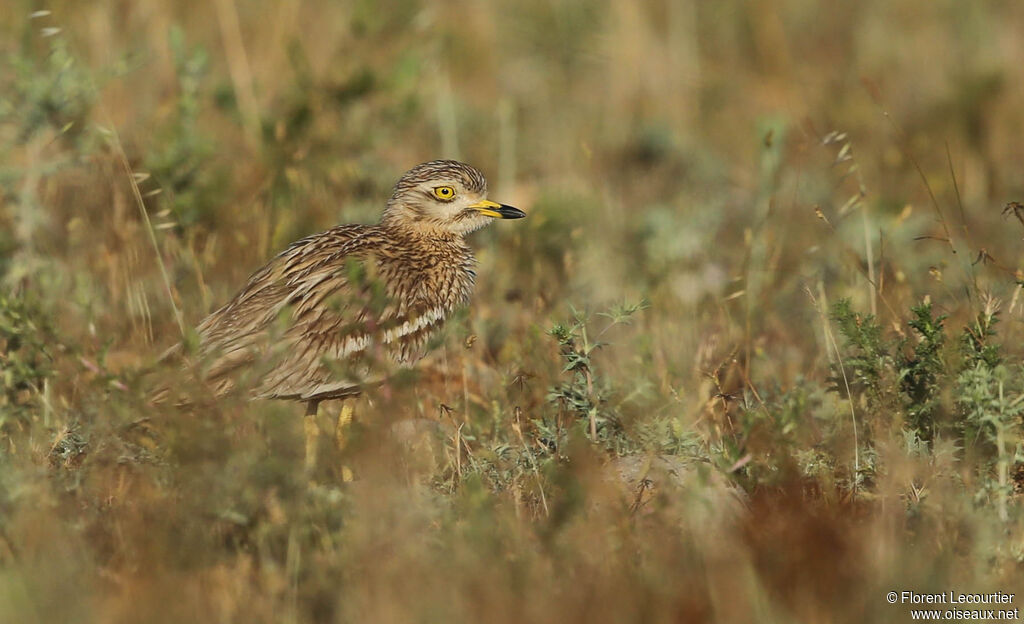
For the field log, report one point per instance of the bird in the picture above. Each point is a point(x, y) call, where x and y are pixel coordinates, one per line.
point(314, 320)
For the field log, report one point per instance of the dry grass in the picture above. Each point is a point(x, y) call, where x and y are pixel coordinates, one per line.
point(738, 166)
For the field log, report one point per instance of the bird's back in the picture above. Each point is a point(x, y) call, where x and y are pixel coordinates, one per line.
point(311, 322)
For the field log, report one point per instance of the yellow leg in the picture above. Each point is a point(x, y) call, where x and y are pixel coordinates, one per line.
point(341, 435)
point(341, 429)
point(312, 430)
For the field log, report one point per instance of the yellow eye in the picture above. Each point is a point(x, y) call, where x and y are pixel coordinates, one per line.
point(444, 193)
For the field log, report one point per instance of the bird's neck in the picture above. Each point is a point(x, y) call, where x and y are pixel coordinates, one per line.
point(421, 232)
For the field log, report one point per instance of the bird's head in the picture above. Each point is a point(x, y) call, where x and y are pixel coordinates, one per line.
point(444, 196)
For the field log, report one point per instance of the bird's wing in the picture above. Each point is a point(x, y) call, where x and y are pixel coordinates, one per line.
point(313, 317)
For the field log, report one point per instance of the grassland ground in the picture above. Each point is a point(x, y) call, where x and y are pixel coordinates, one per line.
point(755, 355)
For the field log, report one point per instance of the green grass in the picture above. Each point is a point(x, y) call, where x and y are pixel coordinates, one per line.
point(754, 356)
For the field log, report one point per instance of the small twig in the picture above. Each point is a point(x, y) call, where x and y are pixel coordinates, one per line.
point(821, 215)
point(904, 146)
point(458, 452)
point(963, 213)
point(1004, 462)
point(831, 343)
point(592, 412)
point(533, 462)
point(869, 255)
point(238, 67)
point(110, 131)
point(116, 141)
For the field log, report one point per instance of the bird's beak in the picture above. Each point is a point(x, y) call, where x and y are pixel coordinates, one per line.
point(498, 211)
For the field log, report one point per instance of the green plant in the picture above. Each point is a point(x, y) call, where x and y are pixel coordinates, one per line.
point(584, 395)
point(866, 366)
point(921, 370)
point(53, 92)
point(904, 377)
point(26, 358)
point(181, 156)
point(991, 405)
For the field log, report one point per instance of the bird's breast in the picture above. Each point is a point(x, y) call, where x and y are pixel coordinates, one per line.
point(431, 278)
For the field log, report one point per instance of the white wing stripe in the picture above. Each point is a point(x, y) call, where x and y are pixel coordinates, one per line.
point(426, 319)
point(352, 344)
point(355, 344)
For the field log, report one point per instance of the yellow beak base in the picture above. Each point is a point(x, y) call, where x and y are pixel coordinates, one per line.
point(496, 210)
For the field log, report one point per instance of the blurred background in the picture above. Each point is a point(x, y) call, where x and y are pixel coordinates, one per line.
point(754, 355)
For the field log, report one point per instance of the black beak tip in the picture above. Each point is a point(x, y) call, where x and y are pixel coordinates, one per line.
point(508, 212)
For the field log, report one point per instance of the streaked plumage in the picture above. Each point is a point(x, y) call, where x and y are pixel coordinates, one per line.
point(324, 309)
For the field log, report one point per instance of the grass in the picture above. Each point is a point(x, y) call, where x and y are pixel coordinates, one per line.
point(754, 355)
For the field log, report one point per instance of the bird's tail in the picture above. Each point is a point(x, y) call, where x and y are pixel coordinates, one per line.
point(169, 387)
